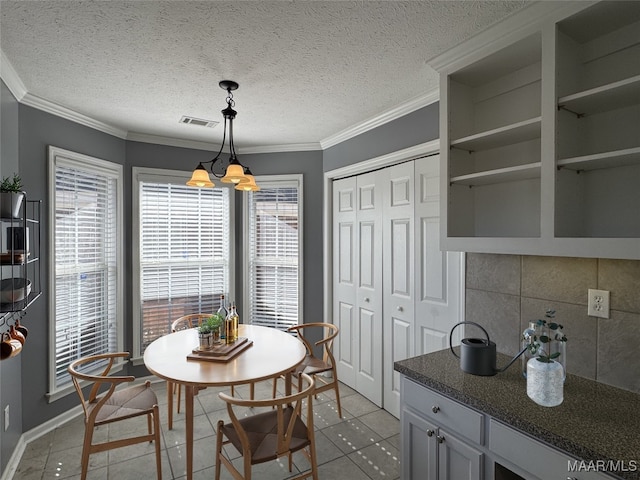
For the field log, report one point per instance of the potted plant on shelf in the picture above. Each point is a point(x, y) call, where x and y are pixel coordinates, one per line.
point(11, 196)
point(546, 370)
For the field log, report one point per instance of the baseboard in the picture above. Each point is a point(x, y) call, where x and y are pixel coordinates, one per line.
point(46, 427)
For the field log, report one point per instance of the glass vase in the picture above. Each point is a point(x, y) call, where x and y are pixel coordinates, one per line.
point(545, 382)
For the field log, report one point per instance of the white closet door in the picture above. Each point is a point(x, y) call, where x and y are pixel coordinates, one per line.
point(398, 274)
point(344, 280)
point(369, 286)
point(438, 274)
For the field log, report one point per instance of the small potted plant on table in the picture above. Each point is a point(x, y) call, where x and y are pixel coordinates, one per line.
point(215, 323)
point(205, 337)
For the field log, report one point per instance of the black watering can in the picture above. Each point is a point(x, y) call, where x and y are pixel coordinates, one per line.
point(477, 355)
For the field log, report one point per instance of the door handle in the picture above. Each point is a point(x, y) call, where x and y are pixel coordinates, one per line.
point(430, 433)
point(440, 438)
point(400, 309)
point(366, 299)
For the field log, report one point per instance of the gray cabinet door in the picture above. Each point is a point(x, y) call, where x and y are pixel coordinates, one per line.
point(456, 459)
point(418, 447)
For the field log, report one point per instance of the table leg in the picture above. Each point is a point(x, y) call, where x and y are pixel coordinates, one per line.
point(189, 393)
point(170, 403)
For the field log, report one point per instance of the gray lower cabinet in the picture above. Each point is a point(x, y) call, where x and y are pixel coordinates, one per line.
point(431, 452)
point(442, 439)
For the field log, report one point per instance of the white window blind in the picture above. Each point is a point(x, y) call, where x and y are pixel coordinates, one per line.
point(184, 253)
point(274, 252)
point(85, 228)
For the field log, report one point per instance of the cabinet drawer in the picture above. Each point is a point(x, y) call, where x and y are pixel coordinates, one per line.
point(534, 456)
point(443, 411)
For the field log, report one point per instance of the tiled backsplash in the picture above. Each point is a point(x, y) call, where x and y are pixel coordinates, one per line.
point(505, 292)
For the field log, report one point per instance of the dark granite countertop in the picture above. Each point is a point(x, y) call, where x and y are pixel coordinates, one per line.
point(594, 422)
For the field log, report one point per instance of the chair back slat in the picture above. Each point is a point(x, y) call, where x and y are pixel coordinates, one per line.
point(189, 321)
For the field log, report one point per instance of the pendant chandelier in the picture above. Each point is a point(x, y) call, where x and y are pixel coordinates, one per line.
point(234, 172)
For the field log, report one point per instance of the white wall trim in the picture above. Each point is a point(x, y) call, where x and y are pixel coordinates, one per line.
point(18, 89)
point(11, 78)
point(48, 426)
point(427, 148)
point(411, 106)
point(520, 24)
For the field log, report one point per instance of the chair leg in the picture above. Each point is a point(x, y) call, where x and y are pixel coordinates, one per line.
point(149, 425)
point(275, 384)
point(219, 449)
point(232, 391)
point(179, 392)
point(336, 388)
point(156, 428)
point(170, 404)
point(252, 390)
point(86, 450)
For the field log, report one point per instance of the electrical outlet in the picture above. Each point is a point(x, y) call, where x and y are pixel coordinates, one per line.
point(598, 305)
point(6, 418)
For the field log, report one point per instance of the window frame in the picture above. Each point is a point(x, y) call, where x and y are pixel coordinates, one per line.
point(61, 157)
point(268, 181)
point(158, 175)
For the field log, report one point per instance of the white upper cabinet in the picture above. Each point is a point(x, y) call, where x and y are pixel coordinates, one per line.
point(540, 134)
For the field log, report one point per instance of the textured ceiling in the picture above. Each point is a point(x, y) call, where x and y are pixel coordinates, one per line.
point(307, 70)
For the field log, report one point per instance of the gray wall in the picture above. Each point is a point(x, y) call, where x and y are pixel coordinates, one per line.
point(413, 129)
point(10, 369)
point(38, 130)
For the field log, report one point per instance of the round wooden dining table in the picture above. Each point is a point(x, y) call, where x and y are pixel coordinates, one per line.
point(272, 353)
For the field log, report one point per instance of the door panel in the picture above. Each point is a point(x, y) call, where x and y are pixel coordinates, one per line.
point(439, 274)
point(344, 286)
point(369, 286)
point(366, 364)
point(398, 258)
point(457, 460)
point(395, 294)
point(401, 342)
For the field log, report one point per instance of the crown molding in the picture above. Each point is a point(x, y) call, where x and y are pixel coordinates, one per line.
point(411, 106)
point(520, 24)
point(19, 91)
point(171, 141)
point(196, 145)
point(11, 78)
point(292, 147)
point(68, 114)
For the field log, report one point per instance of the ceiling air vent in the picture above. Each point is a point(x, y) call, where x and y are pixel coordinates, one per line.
point(198, 121)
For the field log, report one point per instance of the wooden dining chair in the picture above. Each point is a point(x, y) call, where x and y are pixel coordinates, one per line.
point(116, 404)
point(269, 435)
point(183, 323)
point(313, 365)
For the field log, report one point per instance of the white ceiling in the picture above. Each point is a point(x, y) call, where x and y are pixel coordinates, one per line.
point(308, 70)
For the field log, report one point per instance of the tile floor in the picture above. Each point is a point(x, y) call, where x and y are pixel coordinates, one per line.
point(364, 445)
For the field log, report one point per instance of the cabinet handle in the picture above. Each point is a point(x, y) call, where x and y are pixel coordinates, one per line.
point(435, 409)
point(366, 299)
point(400, 309)
point(440, 438)
point(430, 433)
point(572, 478)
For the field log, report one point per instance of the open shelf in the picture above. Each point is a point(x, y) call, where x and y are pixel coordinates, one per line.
point(618, 158)
point(498, 137)
point(500, 175)
point(603, 98)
